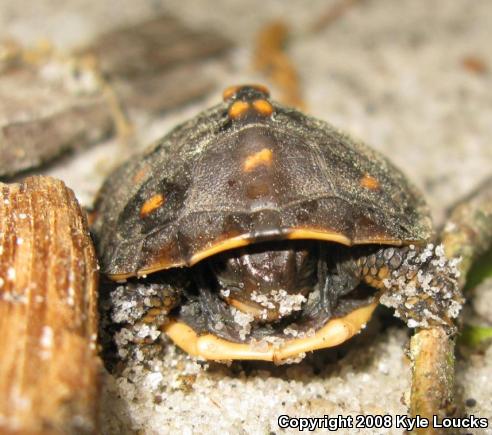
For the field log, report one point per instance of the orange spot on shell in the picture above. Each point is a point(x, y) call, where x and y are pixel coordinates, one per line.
point(153, 203)
point(263, 107)
point(91, 218)
point(263, 157)
point(140, 174)
point(369, 182)
point(231, 91)
point(257, 190)
point(238, 109)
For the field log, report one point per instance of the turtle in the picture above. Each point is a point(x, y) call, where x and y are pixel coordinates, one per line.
point(263, 234)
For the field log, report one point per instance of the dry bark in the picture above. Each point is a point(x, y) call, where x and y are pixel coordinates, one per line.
point(49, 369)
point(40, 119)
point(152, 46)
point(65, 102)
point(158, 64)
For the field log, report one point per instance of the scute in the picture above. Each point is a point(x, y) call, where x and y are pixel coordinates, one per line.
point(226, 184)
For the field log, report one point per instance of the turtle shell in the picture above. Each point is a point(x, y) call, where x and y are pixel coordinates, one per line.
point(244, 171)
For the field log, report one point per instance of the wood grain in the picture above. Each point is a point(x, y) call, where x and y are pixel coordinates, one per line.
point(40, 120)
point(93, 92)
point(48, 311)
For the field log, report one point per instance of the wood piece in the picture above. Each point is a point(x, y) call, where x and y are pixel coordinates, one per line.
point(467, 234)
point(48, 311)
point(160, 92)
point(432, 354)
point(57, 102)
point(157, 64)
point(468, 231)
point(270, 58)
point(155, 45)
point(333, 13)
point(40, 119)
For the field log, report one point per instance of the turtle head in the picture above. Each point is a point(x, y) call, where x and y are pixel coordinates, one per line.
point(269, 280)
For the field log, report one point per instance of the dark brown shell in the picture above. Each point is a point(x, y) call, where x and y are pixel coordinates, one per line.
point(217, 182)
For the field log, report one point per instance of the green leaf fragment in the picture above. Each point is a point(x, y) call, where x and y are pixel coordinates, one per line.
point(480, 270)
point(473, 336)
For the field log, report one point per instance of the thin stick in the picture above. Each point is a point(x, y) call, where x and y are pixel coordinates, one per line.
point(432, 354)
point(334, 13)
point(468, 234)
point(270, 58)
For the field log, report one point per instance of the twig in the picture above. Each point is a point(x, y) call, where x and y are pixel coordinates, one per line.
point(270, 58)
point(468, 234)
point(332, 14)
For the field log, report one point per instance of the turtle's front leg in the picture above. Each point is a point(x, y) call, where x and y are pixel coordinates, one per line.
point(419, 282)
point(139, 309)
point(423, 287)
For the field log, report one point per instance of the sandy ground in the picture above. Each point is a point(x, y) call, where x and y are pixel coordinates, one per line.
point(413, 79)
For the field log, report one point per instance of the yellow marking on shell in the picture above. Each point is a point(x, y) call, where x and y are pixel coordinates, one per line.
point(382, 241)
point(263, 107)
point(314, 234)
point(238, 109)
point(231, 91)
point(225, 245)
point(140, 174)
point(120, 277)
point(307, 234)
point(258, 189)
point(156, 267)
point(91, 217)
point(210, 347)
point(246, 239)
point(369, 182)
point(152, 204)
point(260, 158)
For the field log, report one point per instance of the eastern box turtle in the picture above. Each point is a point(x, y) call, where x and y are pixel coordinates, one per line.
point(263, 234)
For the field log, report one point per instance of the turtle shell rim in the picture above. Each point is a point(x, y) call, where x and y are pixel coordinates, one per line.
point(251, 238)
